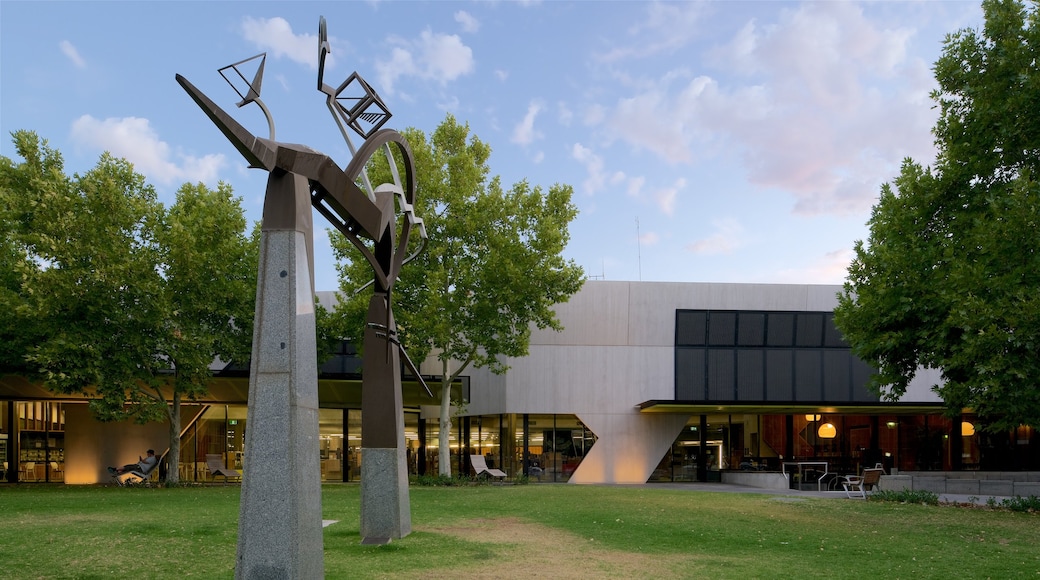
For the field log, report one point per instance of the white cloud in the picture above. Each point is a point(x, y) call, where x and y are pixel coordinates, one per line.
point(823, 104)
point(70, 51)
point(593, 166)
point(726, 238)
point(524, 132)
point(437, 57)
point(598, 178)
point(649, 238)
point(134, 139)
point(564, 114)
point(501, 75)
point(638, 120)
point(635, 186)
point(667, 197)
point(830, 268)
point(538, 157)
point(275, 36)
point(467, 21)
point(667, 28)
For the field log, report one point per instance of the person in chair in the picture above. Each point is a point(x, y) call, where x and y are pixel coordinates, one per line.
point(143, 465)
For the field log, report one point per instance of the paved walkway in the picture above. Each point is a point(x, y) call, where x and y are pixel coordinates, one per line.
point(794, 493)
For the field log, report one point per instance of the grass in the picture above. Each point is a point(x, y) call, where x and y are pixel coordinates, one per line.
point(560, 531)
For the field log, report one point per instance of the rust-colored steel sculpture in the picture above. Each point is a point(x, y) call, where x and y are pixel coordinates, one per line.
point(379, 221)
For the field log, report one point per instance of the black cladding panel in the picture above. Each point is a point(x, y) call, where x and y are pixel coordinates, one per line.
point(722, 329)
point(766, 356)
point(691, 328)
point(751, 329)
point(780, 329)
point(689, 374)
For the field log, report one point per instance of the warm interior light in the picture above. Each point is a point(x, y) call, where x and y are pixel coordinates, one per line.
point(812, 417)
point(967, 429)
point(891, 424)
point(827, 431)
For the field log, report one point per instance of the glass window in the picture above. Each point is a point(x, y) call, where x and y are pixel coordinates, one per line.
point(353, 446)
point(330, 441)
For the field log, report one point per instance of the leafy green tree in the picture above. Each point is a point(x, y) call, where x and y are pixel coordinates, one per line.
point(209, 292)
point(129, 301)
point(493, 266)
point(950, 274)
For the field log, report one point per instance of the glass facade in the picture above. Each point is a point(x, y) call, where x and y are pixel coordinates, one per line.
point(845, 443)
point(32, 441)
point(549, 447)
point(546, 448)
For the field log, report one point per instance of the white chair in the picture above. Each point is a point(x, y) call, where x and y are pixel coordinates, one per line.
point(30, 470)
point(862, 486)
point(480, 466)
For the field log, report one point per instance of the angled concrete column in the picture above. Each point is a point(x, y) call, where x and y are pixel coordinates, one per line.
point(279, 529)
point(385, 509)
point(628, 445)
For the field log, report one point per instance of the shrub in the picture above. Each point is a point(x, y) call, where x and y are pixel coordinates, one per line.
point(907, 496)
point(1029, 504)
point(447, 481)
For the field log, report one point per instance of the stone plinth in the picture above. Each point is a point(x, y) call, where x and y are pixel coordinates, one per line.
point(279, 529)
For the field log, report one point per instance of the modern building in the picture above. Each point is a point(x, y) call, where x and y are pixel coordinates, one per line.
point(647, 382)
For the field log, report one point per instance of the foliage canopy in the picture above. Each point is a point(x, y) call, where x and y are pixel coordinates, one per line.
point(949, 276)
point(111, 294)
point(493, 266)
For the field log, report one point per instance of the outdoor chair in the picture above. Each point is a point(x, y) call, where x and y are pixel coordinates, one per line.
point(860, 486)
point(216, 467)
point(480, 467)
point(56, 471)
point(136, 475)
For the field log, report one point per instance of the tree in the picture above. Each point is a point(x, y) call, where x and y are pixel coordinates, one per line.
point(950, 274)
point(210, 269)
point(127, 299)
point(492, 268)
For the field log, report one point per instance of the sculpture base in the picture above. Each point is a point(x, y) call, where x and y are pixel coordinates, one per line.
point(385, 511)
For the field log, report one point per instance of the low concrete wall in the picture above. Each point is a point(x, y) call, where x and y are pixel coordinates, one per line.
point(980, 483)
point(760, 479)
point(896, 482)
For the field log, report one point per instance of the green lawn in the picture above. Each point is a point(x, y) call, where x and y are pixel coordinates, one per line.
point(552, 531)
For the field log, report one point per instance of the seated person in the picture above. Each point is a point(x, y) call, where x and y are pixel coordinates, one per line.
point(535, 469)
point(143, 465)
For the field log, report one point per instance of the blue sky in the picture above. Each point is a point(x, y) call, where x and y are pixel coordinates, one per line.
point(708, 142)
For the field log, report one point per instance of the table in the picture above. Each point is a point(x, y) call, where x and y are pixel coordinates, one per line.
point(801, 466)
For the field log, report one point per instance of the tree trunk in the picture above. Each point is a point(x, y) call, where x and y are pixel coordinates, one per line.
point(173, 458)
point(443, 446)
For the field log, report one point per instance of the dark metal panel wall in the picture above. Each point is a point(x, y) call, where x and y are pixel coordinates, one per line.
point(764, 356)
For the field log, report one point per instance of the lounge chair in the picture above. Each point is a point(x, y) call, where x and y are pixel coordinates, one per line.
point(480, 467)
point(860, 486)
point(216, 467)
point(135, 475)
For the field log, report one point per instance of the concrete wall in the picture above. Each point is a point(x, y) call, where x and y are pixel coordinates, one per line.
point(616, 351)
point(92, 446)
point(977, 483)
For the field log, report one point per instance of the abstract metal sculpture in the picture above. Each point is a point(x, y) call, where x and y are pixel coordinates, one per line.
point(280, 511)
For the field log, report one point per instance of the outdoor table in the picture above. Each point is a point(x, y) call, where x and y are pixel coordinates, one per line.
point(801, 467)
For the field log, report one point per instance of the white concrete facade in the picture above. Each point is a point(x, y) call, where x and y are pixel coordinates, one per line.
point(617, 350)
